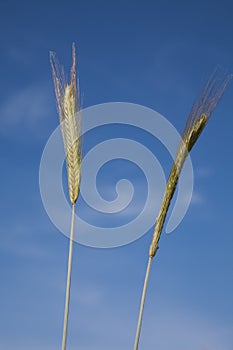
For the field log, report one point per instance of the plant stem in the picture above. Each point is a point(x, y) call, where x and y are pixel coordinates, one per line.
point(68, 282)
point(139, 325)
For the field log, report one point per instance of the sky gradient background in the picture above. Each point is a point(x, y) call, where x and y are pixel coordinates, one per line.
point(155, 54)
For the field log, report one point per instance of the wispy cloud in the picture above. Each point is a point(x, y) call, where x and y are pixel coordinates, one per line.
point(187, 329)
point(110, 328)
point(25, 108)
point(17, 240)
point(203, 172)
point(197, 198)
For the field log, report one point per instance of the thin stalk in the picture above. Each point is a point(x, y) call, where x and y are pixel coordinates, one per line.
point(139, 325)
point(68, 282)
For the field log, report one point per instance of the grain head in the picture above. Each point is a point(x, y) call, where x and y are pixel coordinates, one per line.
point(68, 103)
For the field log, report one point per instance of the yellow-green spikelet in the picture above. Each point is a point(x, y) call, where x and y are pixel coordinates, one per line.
point(72, 145)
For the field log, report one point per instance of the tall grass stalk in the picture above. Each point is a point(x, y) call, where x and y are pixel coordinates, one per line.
point(68, 102)
point(199, 115)
point(68, 282)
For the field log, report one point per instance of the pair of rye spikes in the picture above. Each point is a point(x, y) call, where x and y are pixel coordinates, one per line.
point(68, 102)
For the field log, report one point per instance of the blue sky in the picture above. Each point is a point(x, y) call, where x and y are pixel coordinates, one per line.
point(151, 53)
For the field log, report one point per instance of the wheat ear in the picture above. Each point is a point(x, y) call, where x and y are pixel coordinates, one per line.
point(199, 115)
point(68, 102)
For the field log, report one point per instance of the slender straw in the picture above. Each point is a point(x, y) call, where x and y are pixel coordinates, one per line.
point(139, 326)
point(68, 282)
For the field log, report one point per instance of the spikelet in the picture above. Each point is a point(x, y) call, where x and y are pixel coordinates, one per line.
point(68, 102)
point(198, 117)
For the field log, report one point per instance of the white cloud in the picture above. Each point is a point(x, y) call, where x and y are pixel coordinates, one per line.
point(90, 295)
point(203, 172)
point(186, 329)
point(26, 108)
point(17, 240)
point(197, 198)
